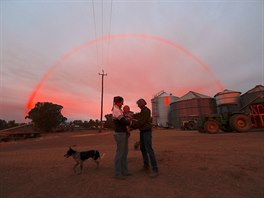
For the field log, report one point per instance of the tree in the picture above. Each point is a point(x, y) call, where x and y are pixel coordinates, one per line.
point(109, 121)
point(3, 124)
point(46, 115)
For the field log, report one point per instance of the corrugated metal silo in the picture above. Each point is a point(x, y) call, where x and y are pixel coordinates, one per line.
point(253, 101)
point(190, 107)
point(227, 101)
point(252, 94)
point(160, 108)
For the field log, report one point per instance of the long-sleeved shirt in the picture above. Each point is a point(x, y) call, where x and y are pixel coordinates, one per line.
point(119, 120)
point(129, 115)
point(143, 122)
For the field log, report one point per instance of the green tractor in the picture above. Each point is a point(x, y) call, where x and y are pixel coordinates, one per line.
point(227, 122)
point(239, 121)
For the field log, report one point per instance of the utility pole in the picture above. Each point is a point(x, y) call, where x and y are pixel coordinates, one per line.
point(102, 99)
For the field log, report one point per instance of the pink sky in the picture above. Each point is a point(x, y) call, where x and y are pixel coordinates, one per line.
point(53, 51)
point(137, 66)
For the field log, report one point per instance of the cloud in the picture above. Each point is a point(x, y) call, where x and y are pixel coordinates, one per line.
point(227, 36)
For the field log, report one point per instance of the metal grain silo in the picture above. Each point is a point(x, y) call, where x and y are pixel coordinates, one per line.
point(253, 102)
point(227, 101)
point(160, 108)
point(189, 107)
point(253, 96)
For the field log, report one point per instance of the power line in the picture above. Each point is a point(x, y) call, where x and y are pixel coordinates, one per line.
point(108, 42)
point(95, 33)
point(1, 45)
point(103, 74)
point(102, 9)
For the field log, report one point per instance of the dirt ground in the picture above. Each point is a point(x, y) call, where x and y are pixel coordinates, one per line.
point(195, 165)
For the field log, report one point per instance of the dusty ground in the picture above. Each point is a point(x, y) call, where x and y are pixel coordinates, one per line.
point(191, 165)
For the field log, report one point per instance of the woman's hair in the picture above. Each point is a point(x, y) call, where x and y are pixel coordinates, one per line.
point(118, 99)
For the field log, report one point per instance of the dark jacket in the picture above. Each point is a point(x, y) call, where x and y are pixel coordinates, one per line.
point(120, 125)
point(143, 120)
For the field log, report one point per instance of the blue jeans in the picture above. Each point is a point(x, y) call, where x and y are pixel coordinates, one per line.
point(147, 150)
point(121, 140)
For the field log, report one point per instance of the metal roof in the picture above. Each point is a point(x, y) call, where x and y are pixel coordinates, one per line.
point(257, 88)
point(226, 91)
point(192, 95)
point(162, 94)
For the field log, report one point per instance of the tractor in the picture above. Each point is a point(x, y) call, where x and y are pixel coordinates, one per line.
point(239, 121)
point(227, 122)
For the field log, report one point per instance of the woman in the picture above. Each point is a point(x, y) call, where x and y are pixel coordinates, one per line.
point(121, 138)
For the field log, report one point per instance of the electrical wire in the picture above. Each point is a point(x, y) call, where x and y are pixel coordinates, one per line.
point(1, 45)
point(102, 61)
point(102, 12)
point(95, 33)
point(110, 27)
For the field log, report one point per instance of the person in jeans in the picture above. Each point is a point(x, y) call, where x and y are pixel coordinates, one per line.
point(143, 123)
point(121, 139)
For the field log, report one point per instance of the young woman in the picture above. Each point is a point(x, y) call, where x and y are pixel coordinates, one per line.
point(121, 138)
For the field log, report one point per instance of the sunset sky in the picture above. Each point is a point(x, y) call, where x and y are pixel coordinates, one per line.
point(53, 50)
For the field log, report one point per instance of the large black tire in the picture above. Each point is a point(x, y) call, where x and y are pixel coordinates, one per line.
point(211, 127)
point(240, 122)
point(191, 125)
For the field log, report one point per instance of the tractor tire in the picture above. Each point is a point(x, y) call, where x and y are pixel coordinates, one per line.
point(211, 127)
point(240, 122)
point(191, 125)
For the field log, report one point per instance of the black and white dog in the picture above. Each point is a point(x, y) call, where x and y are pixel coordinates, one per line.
point(80, 157)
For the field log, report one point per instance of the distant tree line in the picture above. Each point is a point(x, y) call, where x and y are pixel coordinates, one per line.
point(8, 124)
point(83, 125)
point(91, 124)
point(47, 117)
point(109, 121)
